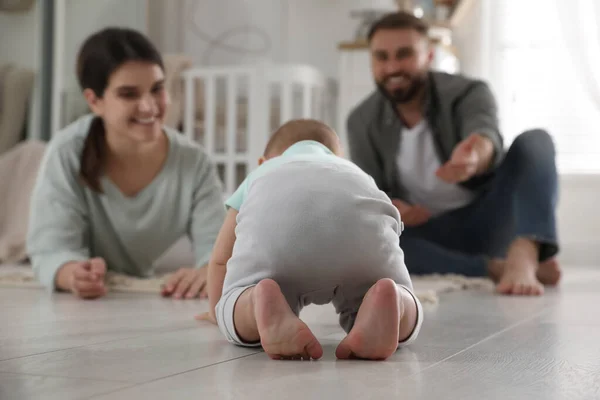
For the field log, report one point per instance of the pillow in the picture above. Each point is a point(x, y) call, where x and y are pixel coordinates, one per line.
point(4, 70)
point(18, 87)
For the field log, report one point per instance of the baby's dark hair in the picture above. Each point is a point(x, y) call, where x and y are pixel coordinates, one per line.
point(298, 130)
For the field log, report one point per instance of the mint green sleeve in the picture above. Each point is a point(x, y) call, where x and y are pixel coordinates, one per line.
point(236, 200)
point(208, 212)
point(58, 220)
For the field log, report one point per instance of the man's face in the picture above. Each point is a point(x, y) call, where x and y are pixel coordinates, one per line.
point(400, 60)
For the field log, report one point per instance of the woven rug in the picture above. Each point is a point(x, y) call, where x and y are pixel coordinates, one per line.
point(427, 288)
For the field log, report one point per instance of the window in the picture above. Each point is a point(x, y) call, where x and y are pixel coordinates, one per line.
point(538, 85)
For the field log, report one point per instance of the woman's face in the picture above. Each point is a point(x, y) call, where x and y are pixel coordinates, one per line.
point(134, 103)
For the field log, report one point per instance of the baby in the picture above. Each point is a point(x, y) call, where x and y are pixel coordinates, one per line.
point(309, 227)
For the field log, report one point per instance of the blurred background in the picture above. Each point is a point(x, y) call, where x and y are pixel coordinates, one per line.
point(540, 57)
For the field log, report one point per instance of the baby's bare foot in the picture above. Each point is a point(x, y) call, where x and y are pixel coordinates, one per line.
point(519, 275)
point(549, 272)
point(375, 332)
point(282, 334)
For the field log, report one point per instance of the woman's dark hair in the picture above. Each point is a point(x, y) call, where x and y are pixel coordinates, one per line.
point(100, 55)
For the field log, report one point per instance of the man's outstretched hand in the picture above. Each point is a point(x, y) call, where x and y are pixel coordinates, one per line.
point(462, 164)
point(470, 157)
point(411, 215)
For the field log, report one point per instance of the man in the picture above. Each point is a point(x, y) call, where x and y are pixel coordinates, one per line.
point(431, 141)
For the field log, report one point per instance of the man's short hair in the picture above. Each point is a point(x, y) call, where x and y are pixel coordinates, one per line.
point(298, 130)
point(399, 20)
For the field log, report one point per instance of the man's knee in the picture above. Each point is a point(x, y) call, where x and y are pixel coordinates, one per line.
point(534, 141)
point(532, 147)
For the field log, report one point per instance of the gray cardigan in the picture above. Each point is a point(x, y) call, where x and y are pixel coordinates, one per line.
point(455, 107)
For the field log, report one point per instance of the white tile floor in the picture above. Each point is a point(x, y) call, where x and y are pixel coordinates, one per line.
point(474, 345)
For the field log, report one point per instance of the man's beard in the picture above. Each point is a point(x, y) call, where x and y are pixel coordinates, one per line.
point(401, 96)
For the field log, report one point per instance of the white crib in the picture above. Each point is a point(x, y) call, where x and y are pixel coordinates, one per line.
point(233, 110)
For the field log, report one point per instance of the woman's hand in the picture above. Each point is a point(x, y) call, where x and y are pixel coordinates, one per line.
point(187, 283)
point(85, 279)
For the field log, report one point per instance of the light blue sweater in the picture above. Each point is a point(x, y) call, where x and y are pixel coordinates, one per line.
point(71, 222)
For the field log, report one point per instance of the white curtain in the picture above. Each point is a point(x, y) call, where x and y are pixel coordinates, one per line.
point(580, 28)
point(546, 74)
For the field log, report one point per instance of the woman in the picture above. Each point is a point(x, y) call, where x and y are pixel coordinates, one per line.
point(117, 188)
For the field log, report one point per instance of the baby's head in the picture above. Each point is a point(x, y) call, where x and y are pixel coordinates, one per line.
point(298, 130)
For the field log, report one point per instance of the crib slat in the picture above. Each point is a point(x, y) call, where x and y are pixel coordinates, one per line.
point(287, 82)
point(230, 129)
point(190, 107)
point(306, 101)
point(286, 102)
point(210, 99)
point(318, 104)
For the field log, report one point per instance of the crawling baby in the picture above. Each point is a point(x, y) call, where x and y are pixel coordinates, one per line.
point(309, 227)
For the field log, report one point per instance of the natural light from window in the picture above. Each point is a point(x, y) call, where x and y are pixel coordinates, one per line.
point(539, 84)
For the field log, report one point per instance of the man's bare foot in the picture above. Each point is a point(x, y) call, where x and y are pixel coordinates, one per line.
point(549, 272)
point(375, 332)
point(519, 276)
point(496, 269)
point(282, 334)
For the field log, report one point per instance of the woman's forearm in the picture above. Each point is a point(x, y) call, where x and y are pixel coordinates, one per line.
point(64, 276)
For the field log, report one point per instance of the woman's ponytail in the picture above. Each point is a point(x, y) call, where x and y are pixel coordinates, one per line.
point(93, 155)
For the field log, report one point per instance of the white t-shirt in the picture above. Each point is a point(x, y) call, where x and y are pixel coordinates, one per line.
point(417, 163)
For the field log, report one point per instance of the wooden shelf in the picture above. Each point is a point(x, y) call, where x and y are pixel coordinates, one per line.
point(460, 11)
point(357, 45)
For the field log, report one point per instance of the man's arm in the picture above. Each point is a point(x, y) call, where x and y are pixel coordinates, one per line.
point(217, 267)
point(484, 147)
point(362, 151)
point(477, 114)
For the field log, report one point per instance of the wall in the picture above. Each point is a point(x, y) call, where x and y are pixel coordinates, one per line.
point(83, 17)
point(288, 31)
point(20, 44)
point(18, 37)
point(578, 219)
point(221, 32)
point(472, 41)
point(293, 31)
point(19, 31)
point(165, 24)
point(78, 19)
point(315, 29)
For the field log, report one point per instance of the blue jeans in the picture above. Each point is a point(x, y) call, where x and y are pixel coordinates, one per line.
point(520, 202)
